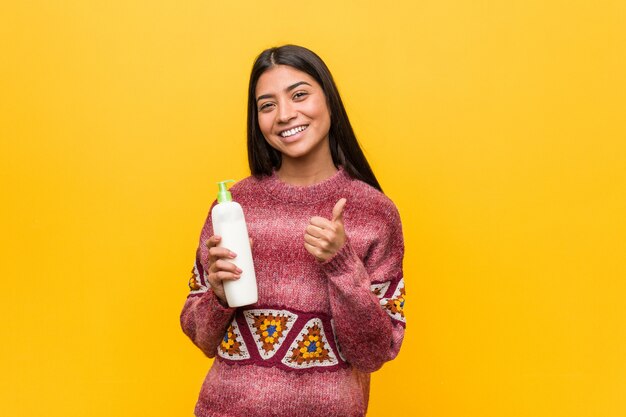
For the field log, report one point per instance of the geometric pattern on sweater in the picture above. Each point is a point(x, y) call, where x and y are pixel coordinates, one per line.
point(308, 344)
point(233, 346)
point(196, 284)
point(310, 348)
point(394, 305)
point(269, 328)
point(379, 290)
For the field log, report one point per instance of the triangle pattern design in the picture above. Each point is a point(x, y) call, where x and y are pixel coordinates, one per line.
point(233, 346)
point(310, 348)
point(269, 329)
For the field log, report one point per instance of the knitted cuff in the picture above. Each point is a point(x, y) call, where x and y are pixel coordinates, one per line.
point(345, 260)
point(215, 304)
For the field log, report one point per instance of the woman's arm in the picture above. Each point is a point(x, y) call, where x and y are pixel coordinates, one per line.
point(204, 317)
point(369, 327)
point(205, 320)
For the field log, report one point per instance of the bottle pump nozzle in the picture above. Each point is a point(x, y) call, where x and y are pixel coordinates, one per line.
point(224, 195)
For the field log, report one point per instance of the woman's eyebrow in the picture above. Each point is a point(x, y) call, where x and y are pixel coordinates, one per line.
point(288, 89)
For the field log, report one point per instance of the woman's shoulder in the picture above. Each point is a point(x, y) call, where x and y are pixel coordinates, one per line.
point(364, 197)
point(246, 186)
point(245, 183)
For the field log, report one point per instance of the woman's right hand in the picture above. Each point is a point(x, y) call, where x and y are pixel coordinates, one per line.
point(220, 269)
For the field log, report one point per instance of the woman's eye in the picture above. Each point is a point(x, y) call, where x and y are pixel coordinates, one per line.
point(265, 106)
point(299, 94)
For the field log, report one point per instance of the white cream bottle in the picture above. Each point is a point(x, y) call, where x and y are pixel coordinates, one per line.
point(229, 223)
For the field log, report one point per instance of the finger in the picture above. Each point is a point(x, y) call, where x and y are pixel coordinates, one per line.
point(227, 276)
point(338, 210)
point(315, 231)
point(321, 244)
point(213, 241)
point(216, 253)
point(321, 222)
point(216, 277)
point(217, 280)
point(313, 241)
point(312, 250)
point(222, 265)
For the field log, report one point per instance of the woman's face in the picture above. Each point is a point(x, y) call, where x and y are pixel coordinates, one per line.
point(292, 112)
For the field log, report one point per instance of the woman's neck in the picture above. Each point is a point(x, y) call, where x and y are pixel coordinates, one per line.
point(296, 172)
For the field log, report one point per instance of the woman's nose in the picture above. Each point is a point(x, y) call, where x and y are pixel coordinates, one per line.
point(286, 112)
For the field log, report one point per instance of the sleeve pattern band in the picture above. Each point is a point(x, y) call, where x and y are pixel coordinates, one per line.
point(392, 297)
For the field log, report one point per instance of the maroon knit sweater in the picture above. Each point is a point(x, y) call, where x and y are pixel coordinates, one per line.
point(318, 329)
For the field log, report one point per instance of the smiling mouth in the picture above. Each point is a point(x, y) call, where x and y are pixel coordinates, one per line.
point(291, 132)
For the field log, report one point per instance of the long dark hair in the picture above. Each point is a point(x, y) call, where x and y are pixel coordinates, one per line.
point(344, 147)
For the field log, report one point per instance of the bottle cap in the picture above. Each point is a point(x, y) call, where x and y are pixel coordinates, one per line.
point(224, 195)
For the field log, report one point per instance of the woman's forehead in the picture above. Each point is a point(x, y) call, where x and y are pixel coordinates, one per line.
point(280, 77)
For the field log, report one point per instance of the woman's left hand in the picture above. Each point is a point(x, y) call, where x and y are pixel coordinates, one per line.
point(323, 237)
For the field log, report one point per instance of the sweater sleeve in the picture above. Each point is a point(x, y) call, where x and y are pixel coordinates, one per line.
point(204, 319)
point(367, 297)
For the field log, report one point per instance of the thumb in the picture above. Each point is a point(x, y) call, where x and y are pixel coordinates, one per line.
point(338, 210)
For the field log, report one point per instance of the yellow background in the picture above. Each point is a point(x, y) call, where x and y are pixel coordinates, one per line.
point(497, 127)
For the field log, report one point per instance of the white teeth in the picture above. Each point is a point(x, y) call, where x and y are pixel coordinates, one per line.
point(293, 131)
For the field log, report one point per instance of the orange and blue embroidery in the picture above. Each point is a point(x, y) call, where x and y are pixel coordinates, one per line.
point(229, 344)
point(232, 345)
point(394, 305)
point(310, 348)
point(269, 328)
point(294, 340)
point(195, 283)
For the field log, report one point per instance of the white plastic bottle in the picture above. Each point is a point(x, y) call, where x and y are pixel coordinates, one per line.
point(230, 224)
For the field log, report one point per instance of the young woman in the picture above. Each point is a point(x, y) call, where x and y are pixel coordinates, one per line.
point(327, 248)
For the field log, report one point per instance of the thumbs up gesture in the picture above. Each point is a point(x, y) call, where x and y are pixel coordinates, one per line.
point(323, 237)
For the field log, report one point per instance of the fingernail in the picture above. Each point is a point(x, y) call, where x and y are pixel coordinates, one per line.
point(232, 254)
point(239, 271)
